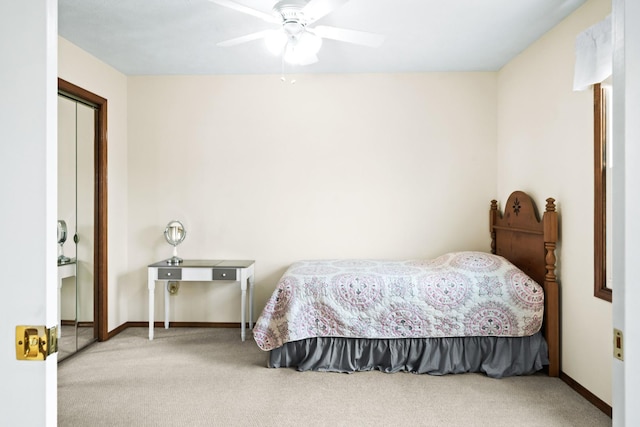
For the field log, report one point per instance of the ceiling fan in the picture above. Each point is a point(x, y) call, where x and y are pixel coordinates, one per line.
point(295, 39)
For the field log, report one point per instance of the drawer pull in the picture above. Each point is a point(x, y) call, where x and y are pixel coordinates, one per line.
point(169, 273)
point(224, 274)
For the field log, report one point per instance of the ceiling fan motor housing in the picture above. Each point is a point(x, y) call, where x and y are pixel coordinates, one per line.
point(293, 18)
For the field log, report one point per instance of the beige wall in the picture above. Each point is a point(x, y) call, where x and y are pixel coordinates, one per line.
point(333, 166)
point(545, 147)
point(84, 70)
point(380, 166)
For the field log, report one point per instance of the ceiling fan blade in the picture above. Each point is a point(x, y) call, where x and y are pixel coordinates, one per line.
point(316, 9)
point(249, 11)
point(244, 39)
point(349, 36)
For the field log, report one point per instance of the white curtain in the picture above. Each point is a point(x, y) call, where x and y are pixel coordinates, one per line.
point(594, 55)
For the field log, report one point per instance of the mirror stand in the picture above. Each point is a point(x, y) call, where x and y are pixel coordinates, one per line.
point(175, 259)
point(174, 233)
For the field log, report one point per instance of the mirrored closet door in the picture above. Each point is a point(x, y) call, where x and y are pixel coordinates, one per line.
point(76, 136)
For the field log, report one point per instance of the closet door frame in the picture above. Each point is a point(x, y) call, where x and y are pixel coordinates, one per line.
point(100, 258)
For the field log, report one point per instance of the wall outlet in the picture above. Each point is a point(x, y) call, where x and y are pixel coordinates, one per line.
point(173, 287)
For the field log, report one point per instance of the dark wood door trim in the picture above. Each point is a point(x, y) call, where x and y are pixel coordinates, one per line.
point(100, 257)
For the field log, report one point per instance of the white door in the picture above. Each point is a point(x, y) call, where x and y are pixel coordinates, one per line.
point(626, 209)
point(28, 175)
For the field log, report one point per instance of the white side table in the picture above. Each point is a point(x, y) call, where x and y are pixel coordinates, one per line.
point(64, 270)
point(241, 272)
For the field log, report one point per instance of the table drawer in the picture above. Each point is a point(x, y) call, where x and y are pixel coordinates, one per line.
point(169, 273)
point(224, 274)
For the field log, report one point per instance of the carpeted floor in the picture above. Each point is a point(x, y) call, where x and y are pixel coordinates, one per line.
point(72, 338)
point(208, 377)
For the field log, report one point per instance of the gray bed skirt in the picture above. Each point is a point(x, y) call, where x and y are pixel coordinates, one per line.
point(495, 356)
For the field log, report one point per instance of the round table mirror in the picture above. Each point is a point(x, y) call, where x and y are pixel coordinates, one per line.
point(175, 233)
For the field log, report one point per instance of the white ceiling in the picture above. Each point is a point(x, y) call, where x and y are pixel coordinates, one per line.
point(144, 37)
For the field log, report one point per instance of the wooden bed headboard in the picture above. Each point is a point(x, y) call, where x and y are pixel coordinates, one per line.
point(519, 236)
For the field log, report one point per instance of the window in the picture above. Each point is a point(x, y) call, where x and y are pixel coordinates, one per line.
point(602, 185)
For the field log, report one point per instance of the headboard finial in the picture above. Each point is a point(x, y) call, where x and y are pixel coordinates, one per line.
point(493, 216)
point(551, 204)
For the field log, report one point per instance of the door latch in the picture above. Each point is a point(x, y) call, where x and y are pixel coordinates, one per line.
point(35, 342)
point(618, 344)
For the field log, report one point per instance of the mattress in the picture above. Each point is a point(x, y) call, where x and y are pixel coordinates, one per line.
point(459, 294)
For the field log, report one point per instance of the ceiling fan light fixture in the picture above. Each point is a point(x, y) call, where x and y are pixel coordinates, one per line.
point(302, 49)
point(276, 42)
point(309, 43)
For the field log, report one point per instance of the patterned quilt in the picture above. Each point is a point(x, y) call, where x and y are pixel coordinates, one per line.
point(457, 294)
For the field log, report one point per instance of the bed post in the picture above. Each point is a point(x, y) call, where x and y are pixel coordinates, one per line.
point(551, 291)
point(493, 214)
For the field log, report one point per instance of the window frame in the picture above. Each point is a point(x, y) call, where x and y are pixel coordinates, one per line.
point(600, 193)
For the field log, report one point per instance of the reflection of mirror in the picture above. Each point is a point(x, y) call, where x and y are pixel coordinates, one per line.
point(62, 231)
point(62, 237)
point(175, 233)
point(76, 138)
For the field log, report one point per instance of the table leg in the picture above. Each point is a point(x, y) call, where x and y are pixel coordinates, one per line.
point(251, 302)
point(152, 288)
point(167, 302)
point(59, 307)
point(243, 308)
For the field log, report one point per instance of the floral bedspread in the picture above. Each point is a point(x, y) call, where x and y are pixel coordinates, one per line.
point(457, 294)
